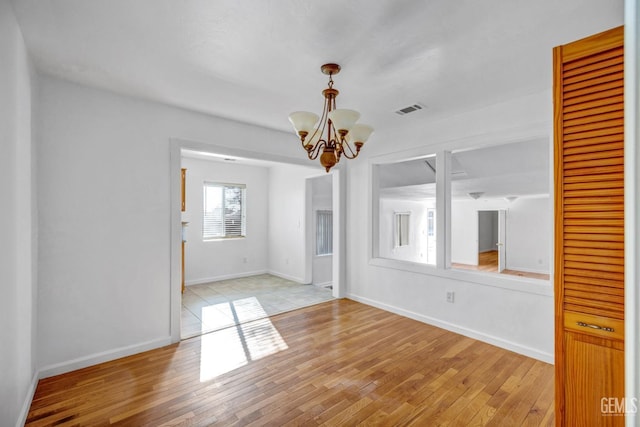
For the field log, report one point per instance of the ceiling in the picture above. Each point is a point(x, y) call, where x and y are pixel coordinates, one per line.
point(257, 60)
point(518, 169)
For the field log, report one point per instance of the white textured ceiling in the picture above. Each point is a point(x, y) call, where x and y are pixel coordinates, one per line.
point(257, 60)
point(515, 169)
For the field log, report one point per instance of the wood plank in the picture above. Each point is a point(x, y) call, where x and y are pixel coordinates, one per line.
point(603, 110)
point(593, 104)
point(613, 182)
point(607, 91)
point(614, 286)
point(599, 252)
point(593, 244)
point(614, 58)
point(607, 275)
point(592, 82)
point(603, 228)
point(587, 134)
point(592, 302)
point(344, 363)
point(572, 60)
point(595, 223)
point(592, 266)
point(593, 311)
point(598, 91)
point(594, 145)
point(608, 161)
point(585, 173)
point(594, 154)
point(594, 259)
point(597, 69)
point(598, 192)
point(585, 143)
point(596, 294)
point(586, 126)
point(580, 203)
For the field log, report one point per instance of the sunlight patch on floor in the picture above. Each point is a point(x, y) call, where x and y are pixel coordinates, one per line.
point(230, 348)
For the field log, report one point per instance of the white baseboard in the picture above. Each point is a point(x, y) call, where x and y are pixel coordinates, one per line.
point(471, 333)
point(323, 284)
point(286, 276)
point(106, 356)
point(22, 418)
point(224, 277)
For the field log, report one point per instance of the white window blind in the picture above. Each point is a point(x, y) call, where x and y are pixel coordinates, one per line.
point(324, 232)
point(224, 211)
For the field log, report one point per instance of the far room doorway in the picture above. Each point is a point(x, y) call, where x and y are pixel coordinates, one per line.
point(491, 240)
point(320, 223)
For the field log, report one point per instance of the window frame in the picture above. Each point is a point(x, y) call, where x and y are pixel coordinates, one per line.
point(442, 153)
point(243, 209)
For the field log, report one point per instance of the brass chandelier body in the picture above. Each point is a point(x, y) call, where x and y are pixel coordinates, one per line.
point(336, 134)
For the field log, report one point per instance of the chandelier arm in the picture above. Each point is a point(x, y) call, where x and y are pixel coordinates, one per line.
point(313, 154)
point(349, 153)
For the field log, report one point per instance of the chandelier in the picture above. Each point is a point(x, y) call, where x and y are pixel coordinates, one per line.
point(336, 133)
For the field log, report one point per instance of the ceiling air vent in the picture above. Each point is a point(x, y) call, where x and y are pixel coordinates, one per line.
point(409, 109)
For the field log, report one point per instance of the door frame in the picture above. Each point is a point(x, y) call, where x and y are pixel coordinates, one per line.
point(176, 145)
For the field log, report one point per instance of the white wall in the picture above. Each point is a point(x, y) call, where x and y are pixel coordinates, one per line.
point(104, 205)
point(287, 221)
point(18, 230)
point(322, 199)
point(527, 221)
point(225, 258)
point(416, 250)
point(529, 231)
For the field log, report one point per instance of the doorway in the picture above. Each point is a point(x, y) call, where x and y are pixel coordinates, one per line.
point(320, 223)
point(338, 198)
point(491, 240)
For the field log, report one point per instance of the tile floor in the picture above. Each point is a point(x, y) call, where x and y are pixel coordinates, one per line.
point(217, 305)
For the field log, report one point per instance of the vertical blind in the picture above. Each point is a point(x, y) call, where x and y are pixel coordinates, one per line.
point(324, 233)
point(224, 211)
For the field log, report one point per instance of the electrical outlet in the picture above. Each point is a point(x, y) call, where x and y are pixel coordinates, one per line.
point(450, 296)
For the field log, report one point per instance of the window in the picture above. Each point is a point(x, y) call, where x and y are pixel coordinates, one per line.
point(402, 228)
point(324, 232)
point(500, 204)
point(224, 211)
point(406, 210)
point(492, 209)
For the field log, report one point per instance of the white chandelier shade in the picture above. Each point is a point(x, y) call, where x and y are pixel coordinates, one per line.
point(303, 121)
point(343, 120)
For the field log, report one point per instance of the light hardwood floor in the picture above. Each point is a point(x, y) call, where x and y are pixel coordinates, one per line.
point(336, 363)
point(488, 261)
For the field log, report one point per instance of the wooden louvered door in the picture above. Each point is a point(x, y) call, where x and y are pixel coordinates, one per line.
point(589, 230)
